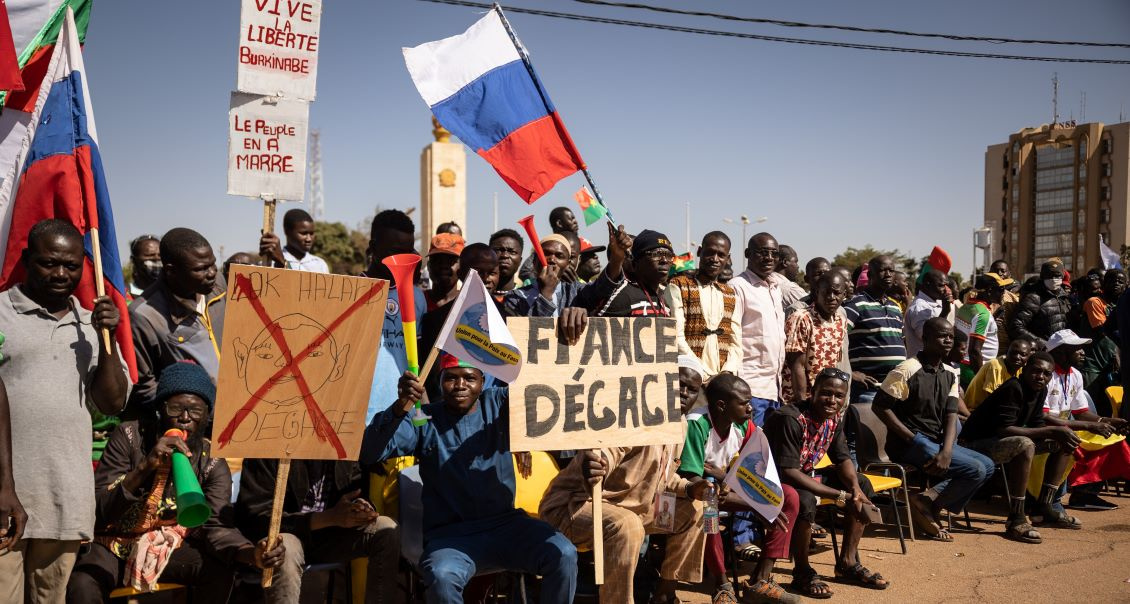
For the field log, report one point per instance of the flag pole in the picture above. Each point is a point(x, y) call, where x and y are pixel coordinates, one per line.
point(541, 93)
point(99, 280)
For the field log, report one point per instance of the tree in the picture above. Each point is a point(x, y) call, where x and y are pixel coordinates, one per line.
point(854, 257)
point(338, 246)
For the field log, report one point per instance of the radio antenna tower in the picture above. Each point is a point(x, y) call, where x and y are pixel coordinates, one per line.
point(315, 194)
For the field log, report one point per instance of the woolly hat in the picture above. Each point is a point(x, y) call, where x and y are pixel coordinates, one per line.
point(186, 377)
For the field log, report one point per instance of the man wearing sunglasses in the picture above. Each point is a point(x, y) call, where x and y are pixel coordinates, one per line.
point(762, 317)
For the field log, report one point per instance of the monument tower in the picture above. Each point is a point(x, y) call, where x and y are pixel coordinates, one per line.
point(443, 185)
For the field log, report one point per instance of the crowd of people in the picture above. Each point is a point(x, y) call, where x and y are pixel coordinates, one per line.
point(1003, 377)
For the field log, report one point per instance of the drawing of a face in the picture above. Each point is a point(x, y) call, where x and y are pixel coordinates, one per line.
point(263, 358)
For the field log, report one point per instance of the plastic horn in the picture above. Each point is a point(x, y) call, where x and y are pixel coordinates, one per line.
point(403, 269)
point(192, 508)
point(528, 224)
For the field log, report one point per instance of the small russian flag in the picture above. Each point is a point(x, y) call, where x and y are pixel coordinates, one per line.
point(482, 88)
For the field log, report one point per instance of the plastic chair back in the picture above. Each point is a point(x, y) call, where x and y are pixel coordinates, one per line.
point(870, 435)
point(529, 491)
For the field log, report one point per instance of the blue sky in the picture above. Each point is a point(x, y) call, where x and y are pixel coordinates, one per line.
point(835, 147)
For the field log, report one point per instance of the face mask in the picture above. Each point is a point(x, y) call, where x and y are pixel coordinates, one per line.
point(152, 268)
point(1053, 284)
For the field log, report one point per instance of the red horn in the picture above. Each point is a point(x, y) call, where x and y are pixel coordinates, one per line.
point(403, 269)
point(528, 224)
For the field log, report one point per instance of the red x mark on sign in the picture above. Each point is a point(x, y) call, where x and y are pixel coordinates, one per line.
point(322, 427)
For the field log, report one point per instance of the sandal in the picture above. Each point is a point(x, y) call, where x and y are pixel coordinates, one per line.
point(767, 591)
point(749, 553)
point(807, 581)
point(1022, 531)
point(926, 522)
point(725, 595)
point(860, 576)
point(1057, 519)
point(819, 532)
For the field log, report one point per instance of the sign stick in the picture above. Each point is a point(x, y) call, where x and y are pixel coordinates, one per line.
point(598, 531)
point(99, 281)
point(269, 204)
point(276, 515)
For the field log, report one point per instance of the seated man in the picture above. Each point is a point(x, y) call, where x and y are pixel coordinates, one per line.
point(714, 440)
point(633, 476)
point(1010, 428)
point(323, 520)
point(136, 505)
point(800, 436)
point(690, 386)
point(918, 401)
point(471, 524)
point(997, 371)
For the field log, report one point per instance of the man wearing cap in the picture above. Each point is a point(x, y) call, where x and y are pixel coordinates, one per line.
point(1042, 310)
point(706, 323)
point(761, 315)
point(467, 471)
point(1068, 404)
point(976, 321)
point(589, 266)
point(550, 294)
point(443, 263)
point(639, 296)
point(561, 221)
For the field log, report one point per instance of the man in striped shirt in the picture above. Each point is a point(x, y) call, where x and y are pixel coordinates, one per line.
point(875, 344)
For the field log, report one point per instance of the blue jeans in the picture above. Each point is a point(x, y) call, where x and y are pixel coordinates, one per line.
point(745, 526)
point(967, 472)
point(520, 544)
point(761, 406)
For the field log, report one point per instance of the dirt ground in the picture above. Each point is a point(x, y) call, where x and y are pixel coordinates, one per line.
point(982, 566)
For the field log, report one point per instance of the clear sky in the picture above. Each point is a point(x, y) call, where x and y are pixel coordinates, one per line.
point(835, 147)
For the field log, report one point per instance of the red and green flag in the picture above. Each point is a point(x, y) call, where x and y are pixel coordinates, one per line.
point(682, 264)
point(938, 260)
point(590, 206)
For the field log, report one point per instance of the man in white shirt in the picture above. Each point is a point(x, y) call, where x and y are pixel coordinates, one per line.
point(934, 299)
point(298, 226)
point(762, 319)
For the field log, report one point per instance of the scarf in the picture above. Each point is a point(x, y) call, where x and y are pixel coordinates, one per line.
point(695, 329)
point(817, 439)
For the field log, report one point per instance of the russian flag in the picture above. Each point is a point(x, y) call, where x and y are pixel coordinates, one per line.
point(483, 89)
point(58, 174)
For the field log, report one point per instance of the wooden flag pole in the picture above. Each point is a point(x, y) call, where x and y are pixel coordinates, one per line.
point(99, 280)
point(269, 204)
point(276, 515)
point(598, 531)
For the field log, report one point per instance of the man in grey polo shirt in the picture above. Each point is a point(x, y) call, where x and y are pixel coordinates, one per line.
point(56, 366)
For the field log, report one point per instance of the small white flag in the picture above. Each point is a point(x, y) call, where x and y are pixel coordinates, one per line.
point(1111, 259)
point(476, 333)
point(753, 476)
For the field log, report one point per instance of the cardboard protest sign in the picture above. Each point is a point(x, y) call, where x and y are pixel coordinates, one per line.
point(617, 387)
point(278, 48)
point(299, 351)
point(267, 147)
point(753, 476)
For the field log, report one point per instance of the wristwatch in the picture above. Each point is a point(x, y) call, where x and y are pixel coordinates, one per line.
point(841, 499)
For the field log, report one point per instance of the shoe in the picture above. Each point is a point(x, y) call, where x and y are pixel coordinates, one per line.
point(1090, 501)
point(767, 592)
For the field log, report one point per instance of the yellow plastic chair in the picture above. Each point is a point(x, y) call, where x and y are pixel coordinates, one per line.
point(1114, 395)
point(126, 592)
point(879, 483)
point(529, 491)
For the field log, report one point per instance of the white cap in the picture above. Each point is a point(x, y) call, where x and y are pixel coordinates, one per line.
point(693, 363)
point(1068, 337)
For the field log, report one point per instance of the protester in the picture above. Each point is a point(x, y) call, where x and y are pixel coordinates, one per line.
point(561, 221)
point(298, 226)
point(55, 364)
point(1010, 428)
point(443, 266)
point(800, 436)
point(569, 275)
point(934, 299)
point(589, 266)
point(450, 228)
point(996, 372)
point(639, 293)
point(918, 401)
point(690, 386)
point(976, 321)
point(788, 267)
point(813, 271)
point(392, 232)
point(138, 540)
point(1043, 308)
point(324, 520)
point(507, 243)
point(181, 317)
point(1004, 311)
point(13, 518)
point(713, 442)
point(727, 271)
point(145, 262)
point(875, 328)
point(1097, 309)
point(814, 338)
point(243, 258)
point(900, 290)
point(706, 323)
point(762, 317)
point(468, 477)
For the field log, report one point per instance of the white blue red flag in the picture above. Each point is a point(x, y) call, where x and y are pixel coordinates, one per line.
point(482, 87)
point(58, 174)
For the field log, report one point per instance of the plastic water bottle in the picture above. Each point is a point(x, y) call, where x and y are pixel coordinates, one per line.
point(710, 509)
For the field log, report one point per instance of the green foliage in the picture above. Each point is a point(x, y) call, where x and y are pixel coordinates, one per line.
point(342, 248)
point(854, 257)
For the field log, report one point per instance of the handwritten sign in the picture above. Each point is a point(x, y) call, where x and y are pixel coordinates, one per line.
point(299, 353)
point(617, 387)
point(278, 48)
point(267, 147)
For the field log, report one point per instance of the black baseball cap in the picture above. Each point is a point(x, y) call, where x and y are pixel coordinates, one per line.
point(648, 240)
